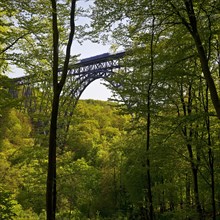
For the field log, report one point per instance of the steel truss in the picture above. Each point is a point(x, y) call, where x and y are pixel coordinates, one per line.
point(80, 75)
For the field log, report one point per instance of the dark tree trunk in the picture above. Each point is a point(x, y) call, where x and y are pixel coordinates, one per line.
point(188, 134)
point(150, 210)
point(210, 156)
point(193, 29)
point(51, 172)
point(194, 161)
point(51, 175)
point(188, 192)
point(161, 199)
point(149, 197)
point(195, 183)
point(211, 167)
point(57, 88)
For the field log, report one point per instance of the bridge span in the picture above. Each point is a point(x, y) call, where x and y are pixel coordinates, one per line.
point(80, 75)
point(105, 62)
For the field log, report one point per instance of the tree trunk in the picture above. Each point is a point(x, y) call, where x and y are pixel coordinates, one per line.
point(211, 167)
point(51, 175)
point(187, 110)
point(209, 80)
point(194, 168)
point(210, 156)
point(161, 199)
point(196, 188)
point(149, 197)
point(188, 192)
point(57, 89)
point(150, 212)
point(192, 27)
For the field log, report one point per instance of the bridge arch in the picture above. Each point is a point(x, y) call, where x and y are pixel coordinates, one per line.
point(80, 76)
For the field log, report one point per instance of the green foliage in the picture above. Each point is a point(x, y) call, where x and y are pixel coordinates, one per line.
point(16, 152)
point(88, 168)
point(102, 166)
point(102, 160)
point(91, 151)
point(6, 205)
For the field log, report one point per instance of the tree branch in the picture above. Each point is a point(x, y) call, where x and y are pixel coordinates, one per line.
point(12, 44)
point(55, 45)
point(184, 21)
point(69, 44)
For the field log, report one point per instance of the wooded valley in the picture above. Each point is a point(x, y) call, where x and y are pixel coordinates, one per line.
point(152, 152)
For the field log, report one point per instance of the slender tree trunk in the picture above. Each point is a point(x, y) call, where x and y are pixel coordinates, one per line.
point(211, 167)
point(51, 172)
point(51, 175)
point(162, 200)
point(210, 156)
point(149, 197)
point(194, 168)
point(188, 192)
point(150, 210)
point(57, 88)
point(188, 133)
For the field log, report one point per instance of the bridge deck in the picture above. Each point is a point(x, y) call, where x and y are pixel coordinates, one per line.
point(101, 58)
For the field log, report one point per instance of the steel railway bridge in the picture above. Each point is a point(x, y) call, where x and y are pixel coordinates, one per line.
point(80, 75)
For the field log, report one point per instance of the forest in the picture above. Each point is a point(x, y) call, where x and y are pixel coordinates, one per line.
point(152, 152)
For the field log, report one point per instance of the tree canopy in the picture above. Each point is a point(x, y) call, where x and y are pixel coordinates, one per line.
point(150, 153)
